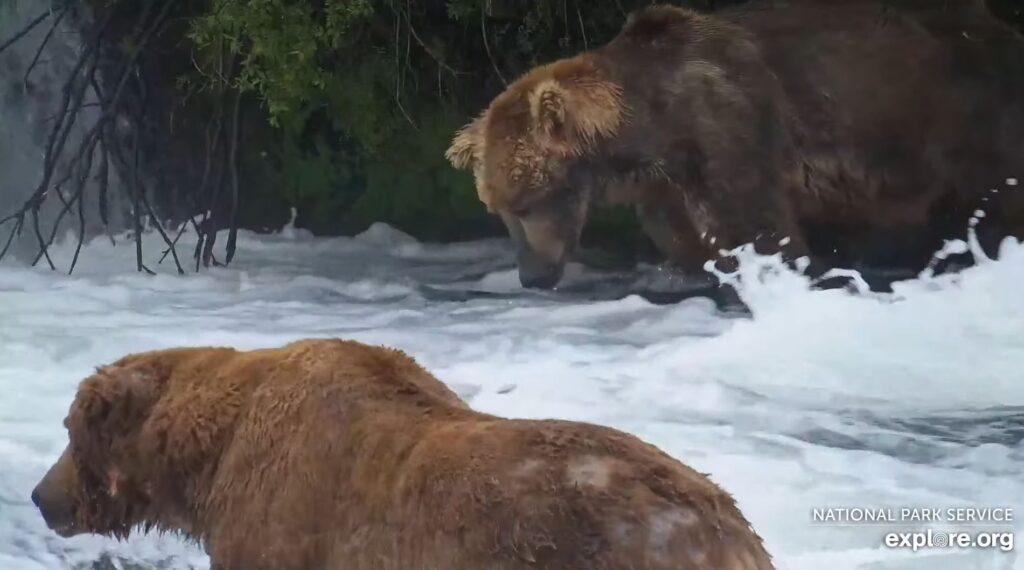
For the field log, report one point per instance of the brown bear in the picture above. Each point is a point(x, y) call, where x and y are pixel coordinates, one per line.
point(329, 454)
point(852, 131)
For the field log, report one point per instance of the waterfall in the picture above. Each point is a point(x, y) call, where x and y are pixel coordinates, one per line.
point(33, 73)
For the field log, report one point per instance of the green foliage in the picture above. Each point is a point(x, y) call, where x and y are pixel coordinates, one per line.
point(309, 169)
point(413, 186)
point(279, 43)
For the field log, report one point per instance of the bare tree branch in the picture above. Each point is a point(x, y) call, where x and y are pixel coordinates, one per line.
point(46, 40)
point(26, 30)
point(81, 164)
point(487, 47)
point(233, 167)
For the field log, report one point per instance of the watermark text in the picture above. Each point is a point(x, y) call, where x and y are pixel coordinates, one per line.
point(928, 539)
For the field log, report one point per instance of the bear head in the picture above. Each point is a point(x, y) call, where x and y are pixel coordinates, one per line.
point(95, 484)
point(133, 455)
point(532, 153)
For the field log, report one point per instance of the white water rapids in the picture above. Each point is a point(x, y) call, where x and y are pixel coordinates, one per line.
point(821, 400)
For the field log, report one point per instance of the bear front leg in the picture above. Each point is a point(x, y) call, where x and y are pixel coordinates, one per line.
point(725, 221)
point(1003, 216)
point(734, 207)
point(673, 234)
point(729, 160)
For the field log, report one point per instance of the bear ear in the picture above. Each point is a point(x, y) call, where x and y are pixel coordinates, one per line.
point(463, 150)
point(572, 114)
point(109, 404)
point(549, 110)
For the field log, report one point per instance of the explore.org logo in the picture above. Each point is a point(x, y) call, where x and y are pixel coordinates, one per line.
point(919, 528)
point(929, 538)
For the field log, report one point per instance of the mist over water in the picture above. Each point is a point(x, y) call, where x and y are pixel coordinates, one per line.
point(32, 81)
point(819, 399)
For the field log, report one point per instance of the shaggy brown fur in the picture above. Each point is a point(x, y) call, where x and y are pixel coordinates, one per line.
point(851, 129)
point(328, 454)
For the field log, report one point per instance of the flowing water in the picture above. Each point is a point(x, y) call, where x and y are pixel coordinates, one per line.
point(817, 400)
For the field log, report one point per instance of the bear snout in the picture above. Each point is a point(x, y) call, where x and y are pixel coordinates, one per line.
point(55, 499)
point(57, 512)
point(539, 275)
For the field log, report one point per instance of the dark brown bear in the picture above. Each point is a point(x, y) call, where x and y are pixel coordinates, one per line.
point(851, 131)
point(328, 455)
